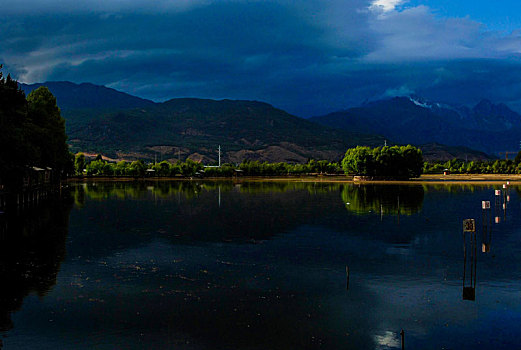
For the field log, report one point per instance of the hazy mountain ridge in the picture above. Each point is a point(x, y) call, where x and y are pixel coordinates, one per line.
point(437, 152)
point(88, 96)
point(487, 127)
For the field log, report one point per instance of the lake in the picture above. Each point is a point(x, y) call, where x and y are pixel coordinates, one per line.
point(262, 265)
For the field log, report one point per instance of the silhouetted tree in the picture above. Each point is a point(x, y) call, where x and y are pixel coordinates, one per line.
point(50, 137)
point(15, 152)
point(32, 133)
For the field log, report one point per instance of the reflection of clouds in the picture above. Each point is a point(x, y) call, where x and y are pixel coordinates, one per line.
point(387, 340)
point(398, 251)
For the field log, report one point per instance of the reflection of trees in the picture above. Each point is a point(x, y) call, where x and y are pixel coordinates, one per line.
point(133, 213)
point(452, 188)
point(469, 266)
point(31, 251)
point(389, 199)
point(189, 189)
point(143, 190)
point(281, 187)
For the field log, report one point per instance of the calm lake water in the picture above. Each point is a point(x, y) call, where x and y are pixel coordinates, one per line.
point(259, 265)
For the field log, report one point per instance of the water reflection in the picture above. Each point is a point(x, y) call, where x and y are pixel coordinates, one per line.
point(469, 265)
point(486, 230)
point(188, 189)
point(198, 211)
point(132, 214)
point(32, 247)
point(251, 265)
point(385, 200)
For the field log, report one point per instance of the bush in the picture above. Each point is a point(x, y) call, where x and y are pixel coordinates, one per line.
point(397, 162)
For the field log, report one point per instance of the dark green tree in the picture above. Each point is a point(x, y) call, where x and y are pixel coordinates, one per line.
point(79, 163)
point(398, 162)
point(189, 168)
point(48, 131)
point(32, 134)
point(137, 168)
point(15, 150)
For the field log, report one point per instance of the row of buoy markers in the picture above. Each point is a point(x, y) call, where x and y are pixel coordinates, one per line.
point(506, 199)
point(469, 226)
point(485, 205)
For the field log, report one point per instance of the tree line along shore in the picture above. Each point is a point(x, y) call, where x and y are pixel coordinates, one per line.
point(395, 162)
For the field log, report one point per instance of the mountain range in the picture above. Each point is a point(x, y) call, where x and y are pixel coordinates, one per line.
point(103, 120)
point(122, 126)
point(487, 127)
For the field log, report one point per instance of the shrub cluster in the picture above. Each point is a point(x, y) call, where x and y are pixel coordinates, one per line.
point(399, 162)
point(100, 167)
point(456, 166)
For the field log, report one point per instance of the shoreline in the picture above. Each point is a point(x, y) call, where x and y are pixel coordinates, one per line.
point(427, 179)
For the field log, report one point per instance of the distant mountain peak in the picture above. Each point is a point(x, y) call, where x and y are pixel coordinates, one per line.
point(497, 113)
point(484, 105)
point(87, 95)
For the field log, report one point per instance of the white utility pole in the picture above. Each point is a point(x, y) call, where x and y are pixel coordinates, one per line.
point(219, 156)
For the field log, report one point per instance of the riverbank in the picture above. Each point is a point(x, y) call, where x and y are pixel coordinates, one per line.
point(514, 179)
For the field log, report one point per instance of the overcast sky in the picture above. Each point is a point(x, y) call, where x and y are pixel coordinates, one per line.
point(307, 57)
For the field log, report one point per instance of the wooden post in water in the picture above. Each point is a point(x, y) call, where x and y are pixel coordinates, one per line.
point(485, 229)
point(505, 190)
point(497, 203)
point(347, 277)
point(402, 333)
point(398, 210)
point(469, 292)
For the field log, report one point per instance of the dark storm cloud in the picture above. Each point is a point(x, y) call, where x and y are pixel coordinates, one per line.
point(307, 57)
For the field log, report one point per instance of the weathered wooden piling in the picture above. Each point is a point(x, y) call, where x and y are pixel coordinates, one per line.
point(347, 277)
point(469, 290)
point(485, 226)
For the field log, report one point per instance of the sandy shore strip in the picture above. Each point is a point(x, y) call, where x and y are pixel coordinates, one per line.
point(435, 179)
